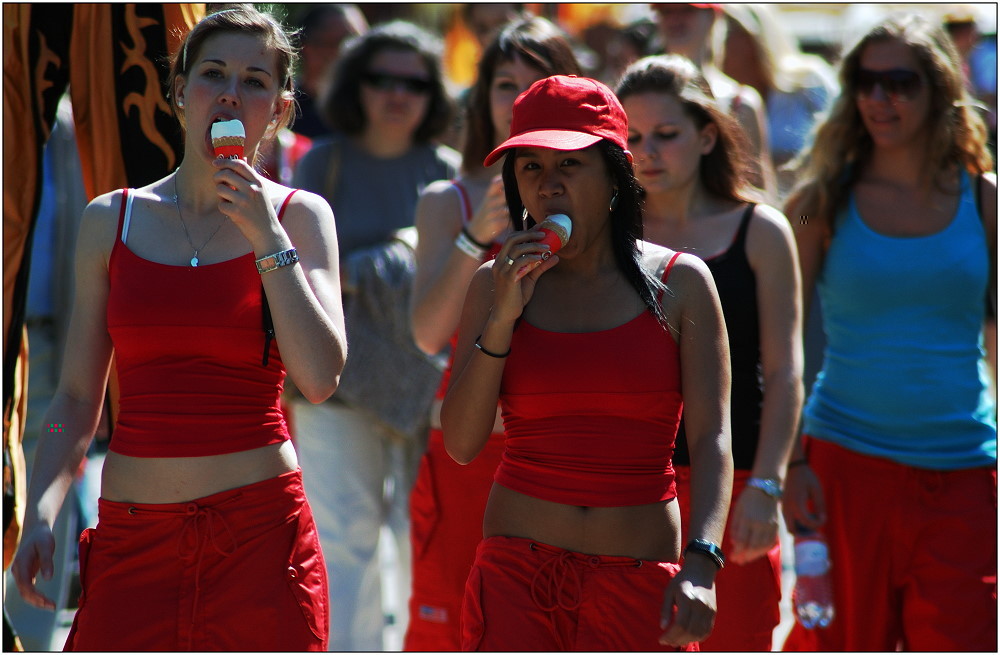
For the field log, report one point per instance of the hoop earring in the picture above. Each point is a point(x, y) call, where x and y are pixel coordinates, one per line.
point(524, 216)
point(614, 202)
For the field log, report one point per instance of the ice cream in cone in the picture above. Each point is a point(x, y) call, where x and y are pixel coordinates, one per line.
point(228, 138)
point(557, 229)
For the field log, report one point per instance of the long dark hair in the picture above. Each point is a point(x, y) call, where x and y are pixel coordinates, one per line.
point(342, 105)
point(541, 45)
point(626, 221)
point(723, 171)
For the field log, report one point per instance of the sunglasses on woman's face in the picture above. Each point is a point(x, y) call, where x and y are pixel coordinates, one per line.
point(388, 82)
point(898, 84)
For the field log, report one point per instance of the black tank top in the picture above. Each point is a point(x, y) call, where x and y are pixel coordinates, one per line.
point(737, 287)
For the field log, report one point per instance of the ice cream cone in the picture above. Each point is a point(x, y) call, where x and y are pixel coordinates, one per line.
point(557, 229)
point(228, 138)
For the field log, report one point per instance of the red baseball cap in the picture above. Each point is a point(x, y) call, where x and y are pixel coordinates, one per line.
point(565, 112)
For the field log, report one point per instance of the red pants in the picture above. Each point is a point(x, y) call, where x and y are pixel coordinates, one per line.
point(522, 595)
point(913, 556)
point(446, 524)
point(747, 595)
point(238, 570)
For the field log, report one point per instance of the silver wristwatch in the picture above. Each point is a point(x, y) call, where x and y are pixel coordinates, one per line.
point(770, 486)
point(277, 260)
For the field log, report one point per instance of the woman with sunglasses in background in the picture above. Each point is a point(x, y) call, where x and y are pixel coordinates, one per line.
point(386, 104)
point(448, 499)
point(895, 221)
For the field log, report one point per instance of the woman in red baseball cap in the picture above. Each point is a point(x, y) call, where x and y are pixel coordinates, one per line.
point(587, 351)
point(461, 224)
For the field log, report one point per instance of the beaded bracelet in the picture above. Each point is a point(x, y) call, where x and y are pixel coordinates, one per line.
point(487, 352)
point(478, 244)
point(464, 243)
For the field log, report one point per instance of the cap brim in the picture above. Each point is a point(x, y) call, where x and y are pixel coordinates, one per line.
point(554, 139)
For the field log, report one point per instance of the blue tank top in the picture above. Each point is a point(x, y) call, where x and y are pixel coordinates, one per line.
point(903, 376)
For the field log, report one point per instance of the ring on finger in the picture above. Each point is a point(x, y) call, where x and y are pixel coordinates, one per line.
point(510, 262)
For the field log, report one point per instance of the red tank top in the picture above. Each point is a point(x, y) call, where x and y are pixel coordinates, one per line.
point(189, 346)
point(591, 418)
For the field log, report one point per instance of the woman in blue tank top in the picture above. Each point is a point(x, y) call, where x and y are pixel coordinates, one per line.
point(898, 460)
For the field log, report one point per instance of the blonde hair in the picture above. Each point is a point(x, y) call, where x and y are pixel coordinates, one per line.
point(842, 145)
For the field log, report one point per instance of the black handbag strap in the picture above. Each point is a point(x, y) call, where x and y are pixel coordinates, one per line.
point(268, 325)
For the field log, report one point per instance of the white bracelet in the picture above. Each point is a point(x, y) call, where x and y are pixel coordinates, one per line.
point(268, 263)
point(465, 244)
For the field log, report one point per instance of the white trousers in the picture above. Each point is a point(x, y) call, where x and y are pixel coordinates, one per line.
point(37, 627)
point(358, 479)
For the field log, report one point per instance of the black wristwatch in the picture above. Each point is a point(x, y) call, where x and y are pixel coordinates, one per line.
point(707, 548)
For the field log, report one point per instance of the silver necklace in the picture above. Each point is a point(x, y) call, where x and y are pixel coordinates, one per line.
point(177, 204)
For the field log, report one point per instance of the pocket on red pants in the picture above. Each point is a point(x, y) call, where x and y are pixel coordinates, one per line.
point(423, 508)
point(472, 621)
point(306, 576)
point(86, 540)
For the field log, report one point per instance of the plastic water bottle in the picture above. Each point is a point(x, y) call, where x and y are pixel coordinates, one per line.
point(813, 594)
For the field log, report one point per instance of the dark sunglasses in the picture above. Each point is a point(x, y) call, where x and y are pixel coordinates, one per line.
point(388, 82)
point(898, 84)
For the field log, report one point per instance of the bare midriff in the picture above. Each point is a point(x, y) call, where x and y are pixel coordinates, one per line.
point(180, 479)
point(648, 532)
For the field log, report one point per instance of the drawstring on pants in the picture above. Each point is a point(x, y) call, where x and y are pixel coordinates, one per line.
point(552, 575)
point(559, 570)
point(209, 516)
point(204, 527)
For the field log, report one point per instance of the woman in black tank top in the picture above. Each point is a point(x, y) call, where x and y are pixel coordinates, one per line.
point(690, 160)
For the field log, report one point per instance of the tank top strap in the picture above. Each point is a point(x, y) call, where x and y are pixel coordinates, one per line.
point(124, 215)
point(463, 196)
point(741, 233)
point(969, 191)
point(284, 204)
point(965, 182)
point(663, 270)
point(737, 100)
point(670, 265)
point(970, 211)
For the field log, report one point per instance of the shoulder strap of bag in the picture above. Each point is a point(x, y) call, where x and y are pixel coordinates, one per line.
point(332, 171)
